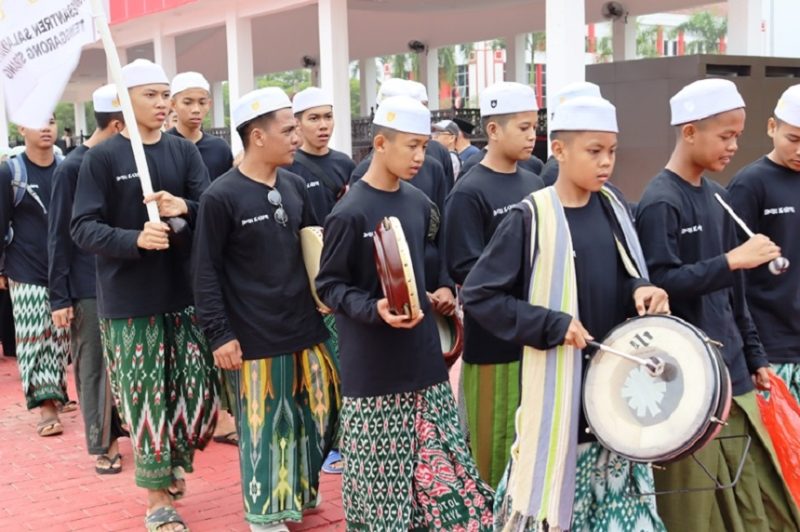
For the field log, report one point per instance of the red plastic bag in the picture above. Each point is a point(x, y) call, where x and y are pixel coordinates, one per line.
point(781, 415)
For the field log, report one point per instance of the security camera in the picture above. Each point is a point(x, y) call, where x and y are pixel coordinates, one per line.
point(417, 46)
point(309, 62)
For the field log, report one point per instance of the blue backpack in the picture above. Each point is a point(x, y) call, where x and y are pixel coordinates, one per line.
point(19, 183)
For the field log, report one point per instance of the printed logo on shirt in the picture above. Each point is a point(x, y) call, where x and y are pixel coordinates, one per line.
point(312, 184)
point(255, 219)
point(32, 185)
point(126, 177)
point(502, 210)
point(369, 234)
point(779, 210)
point(691, 229)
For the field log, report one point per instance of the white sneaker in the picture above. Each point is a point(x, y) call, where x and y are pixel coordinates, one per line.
point(275, 527)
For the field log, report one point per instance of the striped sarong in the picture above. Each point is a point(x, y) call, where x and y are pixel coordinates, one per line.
point(542, 471)
point(288, 413)
point(163, 373)
point(42, 348)
point(759, 502)
point(491, 397)
point(407, 466)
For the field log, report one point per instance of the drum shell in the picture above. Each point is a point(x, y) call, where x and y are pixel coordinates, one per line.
point(392, 262)
point(451, 335)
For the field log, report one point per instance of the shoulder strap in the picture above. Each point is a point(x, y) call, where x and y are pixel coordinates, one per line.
point(19, 178)
point(319, 173)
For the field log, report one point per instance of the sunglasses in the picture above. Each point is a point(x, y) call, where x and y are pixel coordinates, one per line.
point(275, 199)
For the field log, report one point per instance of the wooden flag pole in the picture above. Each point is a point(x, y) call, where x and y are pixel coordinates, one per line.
point(115, 68)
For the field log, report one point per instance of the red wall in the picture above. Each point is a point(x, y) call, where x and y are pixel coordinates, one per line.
point(122, 10)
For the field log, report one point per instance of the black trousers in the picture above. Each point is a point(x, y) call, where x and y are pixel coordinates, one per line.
point(7, 325)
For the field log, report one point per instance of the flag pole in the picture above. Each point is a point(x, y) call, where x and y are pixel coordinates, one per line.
point(115, 69)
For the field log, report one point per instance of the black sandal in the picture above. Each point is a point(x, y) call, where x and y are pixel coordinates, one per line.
point(114, 464)
point(176, 492)
point(230, 438)
point(163, 516)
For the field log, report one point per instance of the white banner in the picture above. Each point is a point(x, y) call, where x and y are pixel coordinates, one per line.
point(40, 46)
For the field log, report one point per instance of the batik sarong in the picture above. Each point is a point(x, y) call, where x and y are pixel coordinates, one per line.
point(491, 396)
point(168, 390)
point(101, 419)
point(759, 502)
point(42, 348)
point(288, 411)
point(790, 373)
point(407, 466)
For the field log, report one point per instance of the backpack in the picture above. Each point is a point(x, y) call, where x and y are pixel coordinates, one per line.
point(19, 184)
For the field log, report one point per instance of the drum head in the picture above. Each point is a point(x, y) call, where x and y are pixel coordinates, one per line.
point(451, 336)
point(646, 418)
point(311, 245)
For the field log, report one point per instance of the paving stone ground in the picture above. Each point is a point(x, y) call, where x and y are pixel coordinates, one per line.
point(49, 484)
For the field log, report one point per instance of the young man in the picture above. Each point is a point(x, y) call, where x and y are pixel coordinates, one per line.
point(191, 101)
point(464, 146)
point(476, 206)
point(407, 466)
point(596, 285)
point(157, 356)
point(691, 248)
point(532, 164)
point(256, 309)
point(73, 296)
point(766, 195)
point(42, 348)
point(325, 170)
point(445, 132)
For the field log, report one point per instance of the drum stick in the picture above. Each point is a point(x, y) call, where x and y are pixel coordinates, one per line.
point(776, 266)
point(654, 365)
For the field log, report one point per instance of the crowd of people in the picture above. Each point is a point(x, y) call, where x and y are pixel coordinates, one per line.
point(203, 325)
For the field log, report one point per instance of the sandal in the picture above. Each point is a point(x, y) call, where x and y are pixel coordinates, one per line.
point(50, 426)
point(69, 406)
point(164, 515)
point(333, 463)
point(176, 492)
point(114, 464)
point(230, 438)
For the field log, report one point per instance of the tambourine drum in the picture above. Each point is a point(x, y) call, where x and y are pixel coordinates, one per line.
point(395, 270)
point(311, 244)
point(657, 419)
point(451, 335)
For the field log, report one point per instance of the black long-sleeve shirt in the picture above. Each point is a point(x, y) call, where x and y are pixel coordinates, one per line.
point(337, 166)
point(216, 153)
point(376, 359)
point(442, 155)
point(685, 234)
point(249, 280)
point(534, 164)
point(26, 256)
point(766, 196)
point(431, 180)
point(71, 270)
point(109, 214)
point(495, 291)
point(474, 209)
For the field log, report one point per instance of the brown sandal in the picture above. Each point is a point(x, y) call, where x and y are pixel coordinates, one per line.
point(50, 426)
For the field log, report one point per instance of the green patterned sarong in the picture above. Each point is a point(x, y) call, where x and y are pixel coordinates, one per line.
point(163, 375)
point(491, 396)
point(42, 348)
point(603, 494)
point(790, 373)
point(288, 413)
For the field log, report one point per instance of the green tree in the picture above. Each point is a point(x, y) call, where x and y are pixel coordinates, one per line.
point(646, 37)
point(536, 43)
point(604, 52)
point(707, 31)
point(447, 64)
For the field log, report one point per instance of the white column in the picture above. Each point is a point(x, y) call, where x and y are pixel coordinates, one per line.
point(165, 54)
point(80, 119)
point(334, 67)
point(315, 76)
point(368, 77)
point(516, 58)
point(239, 38)
point(624, 39)
point(123, 60)
point(3, 121)
point(744, 27)
point(431, 68)
point(566, 42)
point(218, 104)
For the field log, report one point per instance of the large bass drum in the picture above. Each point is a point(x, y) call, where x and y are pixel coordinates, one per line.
point(657, 419)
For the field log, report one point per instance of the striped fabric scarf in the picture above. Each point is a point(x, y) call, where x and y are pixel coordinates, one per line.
point(541, 477)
